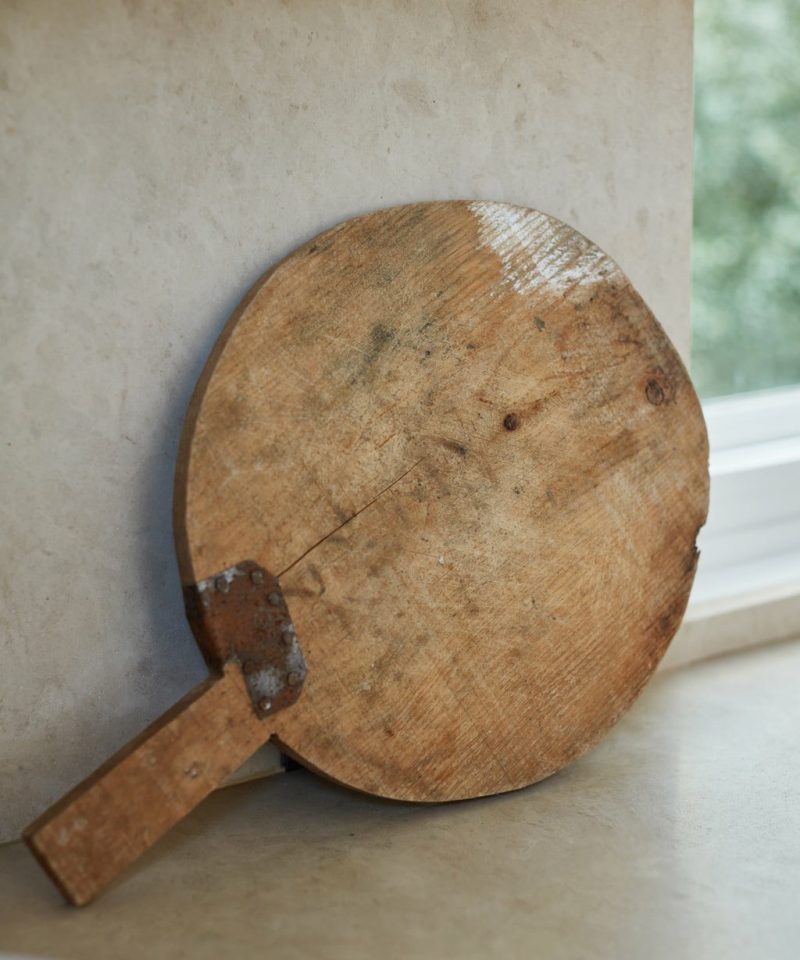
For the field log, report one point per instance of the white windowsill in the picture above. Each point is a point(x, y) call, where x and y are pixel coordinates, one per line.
point(676, 837)
point(747, 589)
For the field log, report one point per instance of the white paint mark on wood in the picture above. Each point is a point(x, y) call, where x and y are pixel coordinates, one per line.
point(539, 252)
point(220, 579)
point(265, 683)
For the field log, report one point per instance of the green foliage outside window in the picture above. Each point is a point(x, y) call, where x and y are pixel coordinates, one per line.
point(746, 255)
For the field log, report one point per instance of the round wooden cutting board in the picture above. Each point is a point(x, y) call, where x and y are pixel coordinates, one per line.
point(436, 507)
point(474, 460)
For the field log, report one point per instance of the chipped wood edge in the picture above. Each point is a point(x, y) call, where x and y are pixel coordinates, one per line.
point(90, 836)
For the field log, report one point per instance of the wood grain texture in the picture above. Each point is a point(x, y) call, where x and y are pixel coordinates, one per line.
point(109, 820)
point(463, 442)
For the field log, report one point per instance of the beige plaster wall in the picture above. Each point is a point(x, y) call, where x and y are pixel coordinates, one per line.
point(157, 156)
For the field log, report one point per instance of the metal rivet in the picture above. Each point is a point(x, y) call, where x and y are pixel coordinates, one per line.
point(222, 584)
point(293, 679)
point(257, 576)
point(274, 599)
point(264, 705)
point(511, 421)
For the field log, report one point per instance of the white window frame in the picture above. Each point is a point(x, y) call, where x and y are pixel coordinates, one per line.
point(747, 588)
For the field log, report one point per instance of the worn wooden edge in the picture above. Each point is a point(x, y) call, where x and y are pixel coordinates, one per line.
point(31, 834)
point(68, 867)
point(179, 485)
point(581, 748)
point(194, 694)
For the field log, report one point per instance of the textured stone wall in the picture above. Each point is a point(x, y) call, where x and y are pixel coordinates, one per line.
point(157, 157)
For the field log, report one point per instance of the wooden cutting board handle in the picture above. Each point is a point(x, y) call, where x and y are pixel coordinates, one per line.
point(90, 836)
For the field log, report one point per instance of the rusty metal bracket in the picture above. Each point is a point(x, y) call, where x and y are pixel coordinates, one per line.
point(241, 614)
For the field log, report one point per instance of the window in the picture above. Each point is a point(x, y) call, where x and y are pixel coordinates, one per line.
point(746, 317)
point(746, 257)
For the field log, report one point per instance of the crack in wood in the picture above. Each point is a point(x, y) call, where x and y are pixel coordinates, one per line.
point(357, 513)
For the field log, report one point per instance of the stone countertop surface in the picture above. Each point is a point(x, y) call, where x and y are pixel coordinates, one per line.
point(678, 837)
